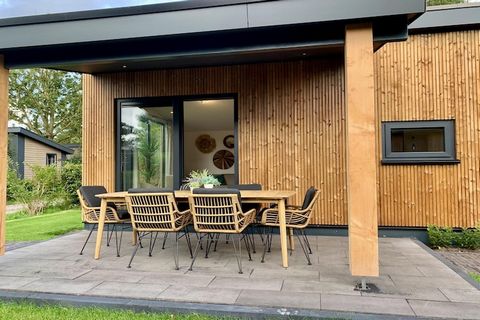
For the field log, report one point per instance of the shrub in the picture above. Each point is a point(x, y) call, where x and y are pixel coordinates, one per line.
point(469, 239)
point(42, 191)
point(71, 180)
point(439, 237)
point(13, 182)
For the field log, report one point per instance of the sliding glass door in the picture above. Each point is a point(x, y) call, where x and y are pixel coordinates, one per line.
point(146, 146)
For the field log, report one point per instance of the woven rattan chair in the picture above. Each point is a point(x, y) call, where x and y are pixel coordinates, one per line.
point(115, 214)
point(218, 211)
point(154, 211)
point(297, 219)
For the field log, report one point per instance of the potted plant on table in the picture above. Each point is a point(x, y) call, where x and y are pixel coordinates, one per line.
point(201, 178)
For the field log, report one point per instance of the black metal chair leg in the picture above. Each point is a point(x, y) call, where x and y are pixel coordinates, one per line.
point(306, 241)
point(165, 236)
point(152, 243)
point(134, 251)
point(176, 252)
point(304, 248)
point(109, 235)
point(227, 237)
point(189, 243)
point(265, 244)
point(209, 244)
point(195, 253)
point(116, 239)
point(216, 242)
point(270, 233)
point(239, 255)
point(88, 238)
point(247, 246)
point(252, 241)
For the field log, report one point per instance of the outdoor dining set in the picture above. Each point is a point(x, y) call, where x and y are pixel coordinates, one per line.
point(239, 213)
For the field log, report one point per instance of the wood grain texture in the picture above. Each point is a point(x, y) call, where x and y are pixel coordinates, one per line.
point(3, 151)
point(360, 152)
point(291, 123)
point(432, 77)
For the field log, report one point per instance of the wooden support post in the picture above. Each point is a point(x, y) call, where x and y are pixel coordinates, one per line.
point(361, 153)
point(3, 151)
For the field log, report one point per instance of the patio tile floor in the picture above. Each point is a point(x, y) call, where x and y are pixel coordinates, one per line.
point(412, 282)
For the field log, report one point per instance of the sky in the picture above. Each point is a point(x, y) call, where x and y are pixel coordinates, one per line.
point(18, 8)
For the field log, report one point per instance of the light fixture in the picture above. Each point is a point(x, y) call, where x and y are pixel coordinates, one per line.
point(124, 66)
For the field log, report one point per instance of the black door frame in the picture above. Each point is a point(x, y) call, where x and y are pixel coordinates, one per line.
point(176, 102)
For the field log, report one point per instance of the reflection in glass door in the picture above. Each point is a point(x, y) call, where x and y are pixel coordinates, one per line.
point(146, 146)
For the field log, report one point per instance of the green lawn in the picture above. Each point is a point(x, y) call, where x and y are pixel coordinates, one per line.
point(42, 227)
point(27, 311)
point(475, 276)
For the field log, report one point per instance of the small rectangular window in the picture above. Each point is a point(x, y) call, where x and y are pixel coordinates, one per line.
point(414, 142)
point(51, 158)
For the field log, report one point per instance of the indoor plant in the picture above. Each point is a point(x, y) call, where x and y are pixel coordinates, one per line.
point(201, 178)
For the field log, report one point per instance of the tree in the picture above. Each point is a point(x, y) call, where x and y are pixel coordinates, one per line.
point(443, 2)
point(47, 102)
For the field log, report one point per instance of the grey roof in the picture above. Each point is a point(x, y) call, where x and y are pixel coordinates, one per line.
point(444, 18)
point(193, 33)
point(38, 138)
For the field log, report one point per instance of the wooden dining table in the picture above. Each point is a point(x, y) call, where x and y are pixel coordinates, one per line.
point(251, 196)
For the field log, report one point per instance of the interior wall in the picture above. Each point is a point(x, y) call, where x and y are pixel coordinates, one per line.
point(194, 159)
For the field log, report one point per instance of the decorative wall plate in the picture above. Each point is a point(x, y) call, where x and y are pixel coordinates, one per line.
point(205, 143)
point(229, 141)
point(223, 159)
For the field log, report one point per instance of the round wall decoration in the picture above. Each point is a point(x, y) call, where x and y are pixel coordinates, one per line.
point(223, 159)
point(229, 141)
point(205, 143)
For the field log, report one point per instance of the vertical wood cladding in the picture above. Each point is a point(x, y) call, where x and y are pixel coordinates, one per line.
point(292, 125)
point(290, 115)
point(432, 77)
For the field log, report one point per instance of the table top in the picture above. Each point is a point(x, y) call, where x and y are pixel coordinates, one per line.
point(245, 194)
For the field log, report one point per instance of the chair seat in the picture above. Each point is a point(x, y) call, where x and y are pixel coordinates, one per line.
point(123, 214)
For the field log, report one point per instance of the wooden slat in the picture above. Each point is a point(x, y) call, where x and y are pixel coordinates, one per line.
point(290, 123)
point(361, 151)
point(3, 151)
point(432, 77)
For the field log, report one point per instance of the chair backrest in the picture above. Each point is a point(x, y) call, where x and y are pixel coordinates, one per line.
point(215, 210)
point(87, 195)
point(152, 211)
point(245, 186)
point(309, 196)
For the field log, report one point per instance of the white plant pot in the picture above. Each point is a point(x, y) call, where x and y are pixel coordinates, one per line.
point(208, 186)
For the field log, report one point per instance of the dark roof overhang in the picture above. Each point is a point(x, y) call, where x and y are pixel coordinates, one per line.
point(228, 32)
point(38, 138)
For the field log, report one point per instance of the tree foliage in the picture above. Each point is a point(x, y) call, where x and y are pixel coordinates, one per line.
point(443, 2)
point(47, 102)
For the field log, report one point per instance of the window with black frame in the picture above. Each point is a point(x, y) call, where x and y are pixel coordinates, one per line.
point(416, 142)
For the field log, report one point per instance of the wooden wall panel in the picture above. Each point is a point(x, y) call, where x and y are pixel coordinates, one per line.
point(291, 123)
point(432, 76)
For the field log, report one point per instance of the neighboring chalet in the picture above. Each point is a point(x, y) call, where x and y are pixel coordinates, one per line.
point(28, 149)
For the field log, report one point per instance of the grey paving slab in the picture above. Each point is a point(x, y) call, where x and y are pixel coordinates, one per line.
point(462, 295)
point(445, 309)
point(437, 271)
point(433, 294)
point(294, 286)
point(366, 304)
point(407, 282)
point(241, 283)
point(130, 290)
point(61, 286)
point(285, 274)
point(12, 283)
point(113, 275)
point(400, 270)
point(279, 299)
point(198, 294)
point(193, 280)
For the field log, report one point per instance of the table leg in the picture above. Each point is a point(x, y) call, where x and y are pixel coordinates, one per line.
point(101, 223)
point(291, 241)
point(283, 232)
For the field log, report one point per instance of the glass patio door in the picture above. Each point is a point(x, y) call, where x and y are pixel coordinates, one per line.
point(146, 145)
